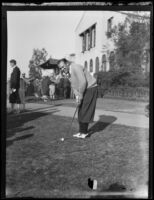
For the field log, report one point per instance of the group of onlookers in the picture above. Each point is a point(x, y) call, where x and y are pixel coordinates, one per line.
point(54, 86)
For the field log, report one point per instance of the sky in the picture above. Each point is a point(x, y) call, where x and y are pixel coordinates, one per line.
point(52, 30)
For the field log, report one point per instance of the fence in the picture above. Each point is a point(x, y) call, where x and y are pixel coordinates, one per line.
point(125, 93)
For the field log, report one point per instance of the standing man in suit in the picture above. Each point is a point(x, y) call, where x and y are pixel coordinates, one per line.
point(14, 87)
point(85, 89)
point(22, 90)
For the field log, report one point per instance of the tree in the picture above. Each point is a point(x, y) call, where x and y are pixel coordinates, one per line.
point(131, 39)
point(119, 78)
point(130, 44)
point(38, 57)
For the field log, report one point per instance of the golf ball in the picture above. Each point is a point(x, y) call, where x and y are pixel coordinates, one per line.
point(62, 139)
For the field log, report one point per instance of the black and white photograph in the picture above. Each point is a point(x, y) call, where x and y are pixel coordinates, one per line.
point(77, 100)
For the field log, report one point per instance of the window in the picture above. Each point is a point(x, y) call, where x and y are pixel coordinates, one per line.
point(104, 63)
point(82, 42)
point(91, 65)
point(112, 60)
point(145, 56)
point(93, 37)
point(97, 64)
point(83, 35)
point(109, 24)
point(85, 65)
point(88, 38)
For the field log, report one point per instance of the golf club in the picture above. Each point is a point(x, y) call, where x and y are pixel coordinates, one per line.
point(70, 128)
point(73, 119)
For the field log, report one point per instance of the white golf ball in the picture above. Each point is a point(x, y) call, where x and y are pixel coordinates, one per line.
point(62, 139)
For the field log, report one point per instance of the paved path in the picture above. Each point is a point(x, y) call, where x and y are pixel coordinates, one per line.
point(115, 117)
point(117, 105)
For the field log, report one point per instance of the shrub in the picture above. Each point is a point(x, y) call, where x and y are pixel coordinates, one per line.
point(122, 78)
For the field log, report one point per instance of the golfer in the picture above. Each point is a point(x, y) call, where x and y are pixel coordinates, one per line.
point(85, 89)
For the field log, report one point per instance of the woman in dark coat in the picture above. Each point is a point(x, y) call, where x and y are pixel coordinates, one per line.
point(14, 97)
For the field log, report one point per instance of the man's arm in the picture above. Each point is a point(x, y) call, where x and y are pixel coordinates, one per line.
point(27, 80)
point(78, 81)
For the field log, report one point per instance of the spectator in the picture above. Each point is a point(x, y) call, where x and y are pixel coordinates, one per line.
point(67, 87)
point(45, 87)
point(52, 86)
point(30, 89)
point(37, 88)
point(14, 97)
point(58, 84)
point(22, 90)
point(61, 87)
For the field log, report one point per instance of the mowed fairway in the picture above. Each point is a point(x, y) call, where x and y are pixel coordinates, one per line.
point(39, 164)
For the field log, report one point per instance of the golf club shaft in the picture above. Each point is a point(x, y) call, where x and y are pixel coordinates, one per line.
point(73, 118)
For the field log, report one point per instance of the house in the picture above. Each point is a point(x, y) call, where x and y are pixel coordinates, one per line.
point(70, 57)
point(93, 47)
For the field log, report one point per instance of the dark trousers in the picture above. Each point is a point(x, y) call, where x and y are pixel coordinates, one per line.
point(87, 107)
point(83, 127)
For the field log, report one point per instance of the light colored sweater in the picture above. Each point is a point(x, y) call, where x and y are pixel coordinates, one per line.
point(81, 79)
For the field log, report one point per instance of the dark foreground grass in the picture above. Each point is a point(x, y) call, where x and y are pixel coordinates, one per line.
point(39, 164)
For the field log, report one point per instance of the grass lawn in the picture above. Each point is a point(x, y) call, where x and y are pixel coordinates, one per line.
point(39, 164)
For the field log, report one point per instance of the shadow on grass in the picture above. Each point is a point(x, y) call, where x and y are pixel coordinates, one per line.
point(11, 141)
point(15, 123)
point(101, 124)
point(60, 104)
point(116, 187)
point(113, 188)
point(41, 109)
point(122, 196)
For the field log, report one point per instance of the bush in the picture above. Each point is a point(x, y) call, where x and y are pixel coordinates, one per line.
point(122, 78)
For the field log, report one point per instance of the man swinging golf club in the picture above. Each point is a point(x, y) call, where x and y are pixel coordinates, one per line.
point(85, 89)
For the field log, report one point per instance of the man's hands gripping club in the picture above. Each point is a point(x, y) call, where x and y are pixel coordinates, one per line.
point(78, 100)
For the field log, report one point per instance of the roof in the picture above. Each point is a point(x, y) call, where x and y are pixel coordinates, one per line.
point(135, 14)
point(80, 20)
point(49, 64)
point(128, 13)
point(72, 54)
